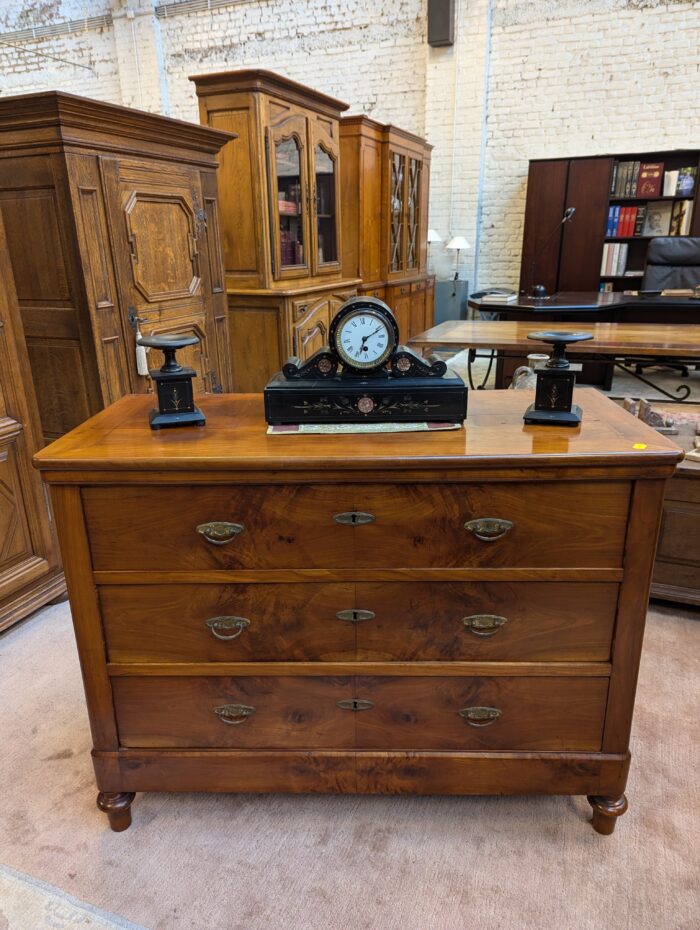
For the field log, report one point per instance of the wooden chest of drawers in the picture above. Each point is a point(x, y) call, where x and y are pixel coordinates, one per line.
point(457, 612)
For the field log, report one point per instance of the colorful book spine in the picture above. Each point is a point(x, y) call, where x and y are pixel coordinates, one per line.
point(639, 221)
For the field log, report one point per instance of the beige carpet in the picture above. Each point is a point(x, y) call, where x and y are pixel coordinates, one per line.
point(227, 862)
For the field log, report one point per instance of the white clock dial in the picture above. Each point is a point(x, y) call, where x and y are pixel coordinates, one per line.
point(364, 340)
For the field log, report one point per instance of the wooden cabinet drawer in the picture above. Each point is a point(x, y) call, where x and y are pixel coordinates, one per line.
point(424, 525)
point(283, 527)
point(265, 713)
point(410, 526)
point(384, 621)
point(533, 714)
point(410, 713)
point(228, 623)
point(488, 621)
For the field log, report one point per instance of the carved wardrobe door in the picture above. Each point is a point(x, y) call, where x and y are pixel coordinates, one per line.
point(159, 224)
point(29, 566)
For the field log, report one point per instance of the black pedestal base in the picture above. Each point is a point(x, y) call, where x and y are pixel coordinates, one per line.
point(160, 420)
point(554, 417)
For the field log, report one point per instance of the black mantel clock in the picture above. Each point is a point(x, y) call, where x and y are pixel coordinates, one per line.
point(364, 375)
point(173, 382)
point(554, 391)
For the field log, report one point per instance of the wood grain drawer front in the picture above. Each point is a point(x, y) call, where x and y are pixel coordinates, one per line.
point(532, 714)
point(562, 525)
point(565, 524)
point(234, 713)
point(282, 527)
point(488, 621)
point(228, 623)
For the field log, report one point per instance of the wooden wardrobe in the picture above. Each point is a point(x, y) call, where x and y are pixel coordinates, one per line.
point(106, 215)
point(385, 181)
point(110, 215)
point(281, 217)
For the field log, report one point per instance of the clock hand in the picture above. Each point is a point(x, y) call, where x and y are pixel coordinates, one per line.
point(369, 336)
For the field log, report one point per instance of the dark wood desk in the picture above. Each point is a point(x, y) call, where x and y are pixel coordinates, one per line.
point(596, 307)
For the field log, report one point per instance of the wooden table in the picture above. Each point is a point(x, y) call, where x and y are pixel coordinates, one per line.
point(416, 613)
point(611, 341)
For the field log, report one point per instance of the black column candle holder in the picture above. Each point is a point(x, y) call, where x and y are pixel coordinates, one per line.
point(173, 383)
point(554, 391)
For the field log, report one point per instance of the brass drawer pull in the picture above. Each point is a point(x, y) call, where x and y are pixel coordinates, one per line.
point(480, 716)
point(354, 704)
point(355, 616)
point(488, 529)
point(484, 624)
point(227, 627)
point(233, 714)
point(219, 533)
point(353, 518)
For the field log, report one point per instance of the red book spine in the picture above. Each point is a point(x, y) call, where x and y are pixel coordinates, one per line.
point(634, 220)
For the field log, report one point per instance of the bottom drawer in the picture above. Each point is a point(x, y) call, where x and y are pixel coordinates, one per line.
point(411, 713)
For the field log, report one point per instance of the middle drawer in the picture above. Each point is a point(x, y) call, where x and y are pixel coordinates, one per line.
point(368, 621)
point(535, 524)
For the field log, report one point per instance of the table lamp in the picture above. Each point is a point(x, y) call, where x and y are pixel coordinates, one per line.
point(456, 244)
point(433, 236)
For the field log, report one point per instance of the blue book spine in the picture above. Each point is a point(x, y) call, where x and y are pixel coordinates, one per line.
point(616, 220)
point(608, 228)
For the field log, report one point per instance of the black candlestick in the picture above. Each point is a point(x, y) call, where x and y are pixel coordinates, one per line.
point(555, 383)
point(173, 382)
point(539, 291)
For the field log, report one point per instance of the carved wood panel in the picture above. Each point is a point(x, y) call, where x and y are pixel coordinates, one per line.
point(164, 254)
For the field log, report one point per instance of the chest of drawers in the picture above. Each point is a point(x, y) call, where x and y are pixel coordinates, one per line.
point(457, 612)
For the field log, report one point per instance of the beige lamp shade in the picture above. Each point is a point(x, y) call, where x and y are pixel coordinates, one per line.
point(434, 236)
point(458, 243)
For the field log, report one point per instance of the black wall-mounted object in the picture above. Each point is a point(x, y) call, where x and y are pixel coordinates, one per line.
point(554, 391)
point(173, 382)
point(441, 22)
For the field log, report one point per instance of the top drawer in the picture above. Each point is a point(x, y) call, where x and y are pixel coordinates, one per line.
point(545, 524)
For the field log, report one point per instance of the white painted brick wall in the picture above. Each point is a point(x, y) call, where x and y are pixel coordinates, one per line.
point(565, 77)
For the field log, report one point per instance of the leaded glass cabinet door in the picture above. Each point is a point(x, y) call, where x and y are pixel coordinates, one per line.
point(326, 207)
point(412, 214)
point(289, 198)
point(397, 210)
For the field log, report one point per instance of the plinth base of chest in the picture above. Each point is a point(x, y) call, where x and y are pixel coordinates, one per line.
point(327, 772)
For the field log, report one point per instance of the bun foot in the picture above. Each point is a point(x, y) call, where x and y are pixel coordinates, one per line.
point(605, 812)
point(117, 807)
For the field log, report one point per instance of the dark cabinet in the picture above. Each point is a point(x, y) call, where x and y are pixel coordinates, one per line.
point(573, 256)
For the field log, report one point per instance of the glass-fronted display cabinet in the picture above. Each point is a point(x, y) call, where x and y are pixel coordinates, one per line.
point(304, 201)
point(280, 190)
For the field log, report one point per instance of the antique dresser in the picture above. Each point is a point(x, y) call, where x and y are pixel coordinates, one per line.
point(454, 612)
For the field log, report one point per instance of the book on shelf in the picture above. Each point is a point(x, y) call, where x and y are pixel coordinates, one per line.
point(685, 183)
point(639, 221)
point(657, 220)
point(614, 259)
point(680, 218)
point(650, 179)
point(670, 183)
point(606, 287)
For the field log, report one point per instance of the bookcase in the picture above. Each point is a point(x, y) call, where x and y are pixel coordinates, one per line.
point(602, 248)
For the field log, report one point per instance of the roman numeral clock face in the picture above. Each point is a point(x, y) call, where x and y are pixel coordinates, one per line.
point(364, 340)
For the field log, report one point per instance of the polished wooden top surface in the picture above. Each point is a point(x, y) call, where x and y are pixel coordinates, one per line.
point(235, 438)
point(573, 301)
point(608, 338)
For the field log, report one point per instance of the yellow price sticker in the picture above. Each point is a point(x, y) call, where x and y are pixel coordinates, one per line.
point(639, 445)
